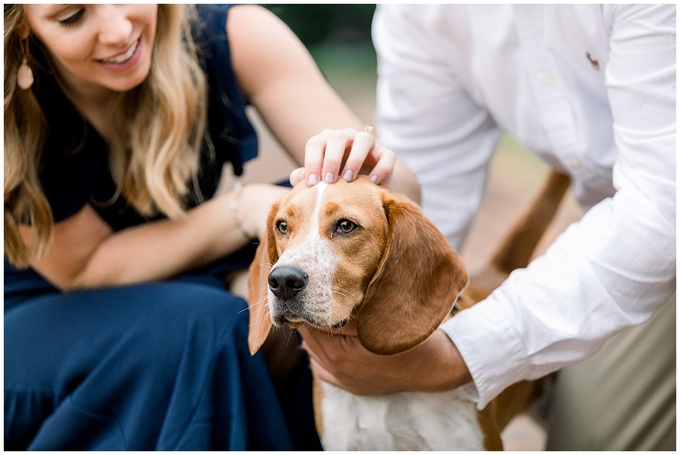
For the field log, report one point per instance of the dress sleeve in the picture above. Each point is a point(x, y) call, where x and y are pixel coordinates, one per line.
point(232, 135)
point(615, 267)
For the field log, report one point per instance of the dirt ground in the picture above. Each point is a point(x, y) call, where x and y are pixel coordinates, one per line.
point(515, 176)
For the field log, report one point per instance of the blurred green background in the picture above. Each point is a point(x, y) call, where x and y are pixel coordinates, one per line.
point(319, 24)
point(337, 35)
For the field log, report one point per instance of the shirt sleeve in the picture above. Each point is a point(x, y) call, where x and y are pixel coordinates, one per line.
point(427, 119)
point(616, 266)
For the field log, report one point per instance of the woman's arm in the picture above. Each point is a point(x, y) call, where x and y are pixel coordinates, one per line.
point(84, 252)
point(279, 77)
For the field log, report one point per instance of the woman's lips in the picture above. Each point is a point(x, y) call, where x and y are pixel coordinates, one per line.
point(126, 60)
point(122, 58)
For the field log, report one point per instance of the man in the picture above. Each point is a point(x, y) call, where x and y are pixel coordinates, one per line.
point(590, 89)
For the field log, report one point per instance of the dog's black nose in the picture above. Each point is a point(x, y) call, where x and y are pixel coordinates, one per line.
point(285, 282)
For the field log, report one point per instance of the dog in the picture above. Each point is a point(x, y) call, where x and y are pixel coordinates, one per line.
point(359, 251)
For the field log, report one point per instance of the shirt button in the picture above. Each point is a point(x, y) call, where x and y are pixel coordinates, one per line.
point(575, 163)
point(548, 79)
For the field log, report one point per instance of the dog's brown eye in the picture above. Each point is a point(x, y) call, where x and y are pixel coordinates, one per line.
point(345, 226)
point(282, 226)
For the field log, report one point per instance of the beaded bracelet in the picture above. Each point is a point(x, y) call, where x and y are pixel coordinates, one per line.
point(233, 205)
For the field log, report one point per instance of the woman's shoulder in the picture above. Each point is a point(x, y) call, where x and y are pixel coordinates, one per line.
point(210, 22)
point(213, 24)
point(233, 136)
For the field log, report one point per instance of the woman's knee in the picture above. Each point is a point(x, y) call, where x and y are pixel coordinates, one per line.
point(178, 319)
point(122, 352)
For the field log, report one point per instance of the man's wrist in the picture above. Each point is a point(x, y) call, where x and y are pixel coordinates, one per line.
point(445, 365)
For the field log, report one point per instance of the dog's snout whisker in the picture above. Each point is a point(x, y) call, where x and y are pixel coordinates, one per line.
point(340, 324)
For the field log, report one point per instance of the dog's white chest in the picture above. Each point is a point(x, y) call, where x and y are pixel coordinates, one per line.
point(401, 421)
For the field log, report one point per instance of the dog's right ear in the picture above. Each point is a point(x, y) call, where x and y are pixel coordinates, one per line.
point(258, 274)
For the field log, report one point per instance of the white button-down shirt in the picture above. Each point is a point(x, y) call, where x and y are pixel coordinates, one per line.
point(591, 89)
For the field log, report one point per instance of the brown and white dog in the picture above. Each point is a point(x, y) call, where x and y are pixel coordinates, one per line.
point(360, 251)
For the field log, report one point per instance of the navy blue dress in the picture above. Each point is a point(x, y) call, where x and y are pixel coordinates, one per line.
point(157, 366)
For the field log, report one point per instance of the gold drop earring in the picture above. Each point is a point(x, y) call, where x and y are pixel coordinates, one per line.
point(25, 74)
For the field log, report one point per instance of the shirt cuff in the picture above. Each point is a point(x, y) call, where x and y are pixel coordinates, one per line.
point(487, 340)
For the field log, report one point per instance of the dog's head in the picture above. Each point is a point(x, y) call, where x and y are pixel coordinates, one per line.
point(353, 250)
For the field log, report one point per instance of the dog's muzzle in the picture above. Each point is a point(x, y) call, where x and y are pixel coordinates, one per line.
point(288, 285)
point(285, 282)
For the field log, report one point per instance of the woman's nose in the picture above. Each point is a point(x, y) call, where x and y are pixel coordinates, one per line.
point(115, 27)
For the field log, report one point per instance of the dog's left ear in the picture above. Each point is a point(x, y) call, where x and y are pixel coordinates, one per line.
point(417, 282)
point(258, 273)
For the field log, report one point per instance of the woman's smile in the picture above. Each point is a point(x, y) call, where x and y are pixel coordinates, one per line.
point(126, 60)
point(122, 58)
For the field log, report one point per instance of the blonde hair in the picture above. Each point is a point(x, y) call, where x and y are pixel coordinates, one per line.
point(154, 157)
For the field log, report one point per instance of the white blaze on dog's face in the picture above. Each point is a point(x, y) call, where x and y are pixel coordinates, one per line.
point(329, 244)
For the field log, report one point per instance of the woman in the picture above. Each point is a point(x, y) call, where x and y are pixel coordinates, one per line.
point(120, 332)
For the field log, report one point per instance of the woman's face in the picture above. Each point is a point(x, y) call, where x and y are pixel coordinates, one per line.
point(97, 46)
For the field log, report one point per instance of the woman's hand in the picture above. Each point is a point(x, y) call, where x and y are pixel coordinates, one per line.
point(339, 358)
point(253, 204)
point(344, 153)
